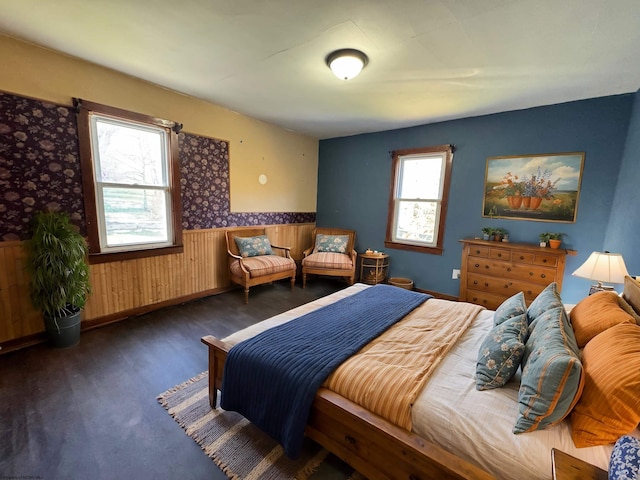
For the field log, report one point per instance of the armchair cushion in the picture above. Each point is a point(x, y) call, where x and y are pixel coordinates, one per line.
point(261, 265)
point(254, 246)
point(331, 243)
point(333, 260)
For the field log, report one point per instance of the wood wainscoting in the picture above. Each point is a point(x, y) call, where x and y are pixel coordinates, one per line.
point(125, 288)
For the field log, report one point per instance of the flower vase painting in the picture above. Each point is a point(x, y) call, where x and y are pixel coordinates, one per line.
point(542, 187)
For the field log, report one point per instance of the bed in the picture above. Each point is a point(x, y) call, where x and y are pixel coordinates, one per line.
point(457, 431)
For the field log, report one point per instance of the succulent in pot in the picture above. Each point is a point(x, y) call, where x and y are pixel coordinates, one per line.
point(59, 283)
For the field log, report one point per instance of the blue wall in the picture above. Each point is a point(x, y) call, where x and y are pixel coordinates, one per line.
point(623, 234)
point(354, 181)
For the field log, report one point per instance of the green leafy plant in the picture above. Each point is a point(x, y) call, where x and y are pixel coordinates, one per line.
point(545, 237)
point(487, 230)
point(56, 262)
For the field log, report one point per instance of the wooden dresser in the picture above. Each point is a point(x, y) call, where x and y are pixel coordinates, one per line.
point(491, 272)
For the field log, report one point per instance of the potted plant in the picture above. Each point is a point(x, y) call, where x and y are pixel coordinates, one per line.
point(487, 232)
point(59, 281)
point(551, 238)
point(498, 234)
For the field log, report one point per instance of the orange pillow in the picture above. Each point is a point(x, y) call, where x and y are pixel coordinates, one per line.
point(610, 403)
point(595, 314)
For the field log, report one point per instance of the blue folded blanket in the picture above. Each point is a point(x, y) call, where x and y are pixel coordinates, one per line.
point(272, 378)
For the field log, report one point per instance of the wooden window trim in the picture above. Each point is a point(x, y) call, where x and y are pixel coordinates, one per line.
point(447, 150)
point(83, 109)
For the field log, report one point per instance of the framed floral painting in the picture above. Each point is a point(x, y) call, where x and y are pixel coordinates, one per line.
point(533, 187)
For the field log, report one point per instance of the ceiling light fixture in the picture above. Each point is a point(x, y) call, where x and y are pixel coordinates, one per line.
point(346, 63)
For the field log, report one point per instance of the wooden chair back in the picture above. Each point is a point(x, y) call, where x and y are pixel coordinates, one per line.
point(232, 233)
point(351, 243)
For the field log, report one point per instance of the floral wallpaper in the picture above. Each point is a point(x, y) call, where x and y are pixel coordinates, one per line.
point(40, 169)
point(39, 164)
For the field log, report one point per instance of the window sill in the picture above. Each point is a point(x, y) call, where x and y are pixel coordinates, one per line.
point(414, 248)
point(95, 258)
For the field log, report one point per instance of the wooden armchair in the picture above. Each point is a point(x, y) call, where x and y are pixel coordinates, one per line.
point(330, 256)
point(256, 262)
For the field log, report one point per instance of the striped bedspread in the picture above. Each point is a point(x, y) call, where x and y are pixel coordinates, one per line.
point(272, 378)
point(386, 376)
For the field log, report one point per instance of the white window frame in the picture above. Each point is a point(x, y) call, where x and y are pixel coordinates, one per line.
point(445, 154)
point(89, 114)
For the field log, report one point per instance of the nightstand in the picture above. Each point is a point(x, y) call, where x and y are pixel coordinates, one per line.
point(374, 267)
point(567, 467)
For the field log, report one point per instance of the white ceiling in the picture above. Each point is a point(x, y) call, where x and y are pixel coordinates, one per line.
point(429, 60)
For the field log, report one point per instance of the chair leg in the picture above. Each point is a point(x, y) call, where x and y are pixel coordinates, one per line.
point(304, 280)
point(246, 295)
point(293, 282)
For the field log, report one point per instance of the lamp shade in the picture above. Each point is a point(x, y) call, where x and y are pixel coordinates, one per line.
point(603, 267)
point(346, 63)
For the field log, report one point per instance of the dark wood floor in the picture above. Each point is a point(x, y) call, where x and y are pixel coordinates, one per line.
point(90, 411)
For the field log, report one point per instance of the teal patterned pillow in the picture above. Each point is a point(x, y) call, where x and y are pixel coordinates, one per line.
point(511, 307)
point(331, 243)
point(254, 246)
point(501, 352)
point(546, 300)
point(552, 374)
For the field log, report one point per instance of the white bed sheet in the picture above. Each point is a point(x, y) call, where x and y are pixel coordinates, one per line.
point(473, 425)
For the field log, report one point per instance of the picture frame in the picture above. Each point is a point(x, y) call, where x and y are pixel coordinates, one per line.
point(539, 187)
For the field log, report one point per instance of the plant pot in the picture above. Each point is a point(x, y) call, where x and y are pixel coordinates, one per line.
point(553, 243)
point(63, 331)
point(515, 201)
point(535, 203)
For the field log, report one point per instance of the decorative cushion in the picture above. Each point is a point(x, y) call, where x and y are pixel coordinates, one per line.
point(631, 293)
point(511, 307)
point(331, 243)
point(546, 300)
point(263, 265)
point(501, 352)
point(628, 308)
point(625, 459)
point(610, 403)
point(254, 246)
point(595, 314)
point(338, 261)
point(552, 375)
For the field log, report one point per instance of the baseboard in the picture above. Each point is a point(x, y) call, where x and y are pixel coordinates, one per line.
point(442, 296)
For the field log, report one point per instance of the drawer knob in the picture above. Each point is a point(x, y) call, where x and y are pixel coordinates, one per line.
point(477, 265)
point(486, 284)
point(506, 285)
point(475, 299)
point(531, 274)
point(509, 269)
point(486, 266)
point(544, 260)
point(521, 257)
point(475, 282)
point(529, 292)
point(477, 252)
point(543, 276)
point(350, 440)
point(499, 255)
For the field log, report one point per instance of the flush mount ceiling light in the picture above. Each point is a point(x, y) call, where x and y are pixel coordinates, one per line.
point(346, 63)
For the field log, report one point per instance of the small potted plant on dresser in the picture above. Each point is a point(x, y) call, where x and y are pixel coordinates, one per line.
point(551, 238)
point(498, 234)
point(487, 233)
point(59, 282)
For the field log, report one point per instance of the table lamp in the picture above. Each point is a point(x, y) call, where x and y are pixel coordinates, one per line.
point(603, 267)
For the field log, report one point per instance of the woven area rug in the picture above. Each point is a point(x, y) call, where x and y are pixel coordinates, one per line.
point(240, 449)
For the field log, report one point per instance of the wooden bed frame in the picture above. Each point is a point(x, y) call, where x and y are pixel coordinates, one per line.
point(370, 444)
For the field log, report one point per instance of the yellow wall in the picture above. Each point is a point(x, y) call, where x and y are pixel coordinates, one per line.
point(290, 160)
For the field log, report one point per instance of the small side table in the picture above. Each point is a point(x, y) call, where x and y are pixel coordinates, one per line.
point(374, 267)
point(567, 467)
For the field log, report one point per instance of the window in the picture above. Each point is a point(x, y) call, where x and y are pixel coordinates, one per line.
point(131, 183)
point(418, 200)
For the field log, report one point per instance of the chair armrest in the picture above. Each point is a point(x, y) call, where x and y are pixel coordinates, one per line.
point(307, 252)
point(287, 250)
point(354, 255)
point(233, 255)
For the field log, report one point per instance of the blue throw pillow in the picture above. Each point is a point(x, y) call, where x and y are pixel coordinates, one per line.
point(552, 374)
point(546, 300)
point(501, 352)
point(254, 246)
point(331, 243)
point(511, 307)
point(625, 459)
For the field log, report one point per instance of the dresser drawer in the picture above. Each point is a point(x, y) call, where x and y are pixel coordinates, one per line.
point(529, 273)
point(500, 254)
point(504, 287)
point(487, 300)
point(478, 251)
point(546, 260)
point(523, 257)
